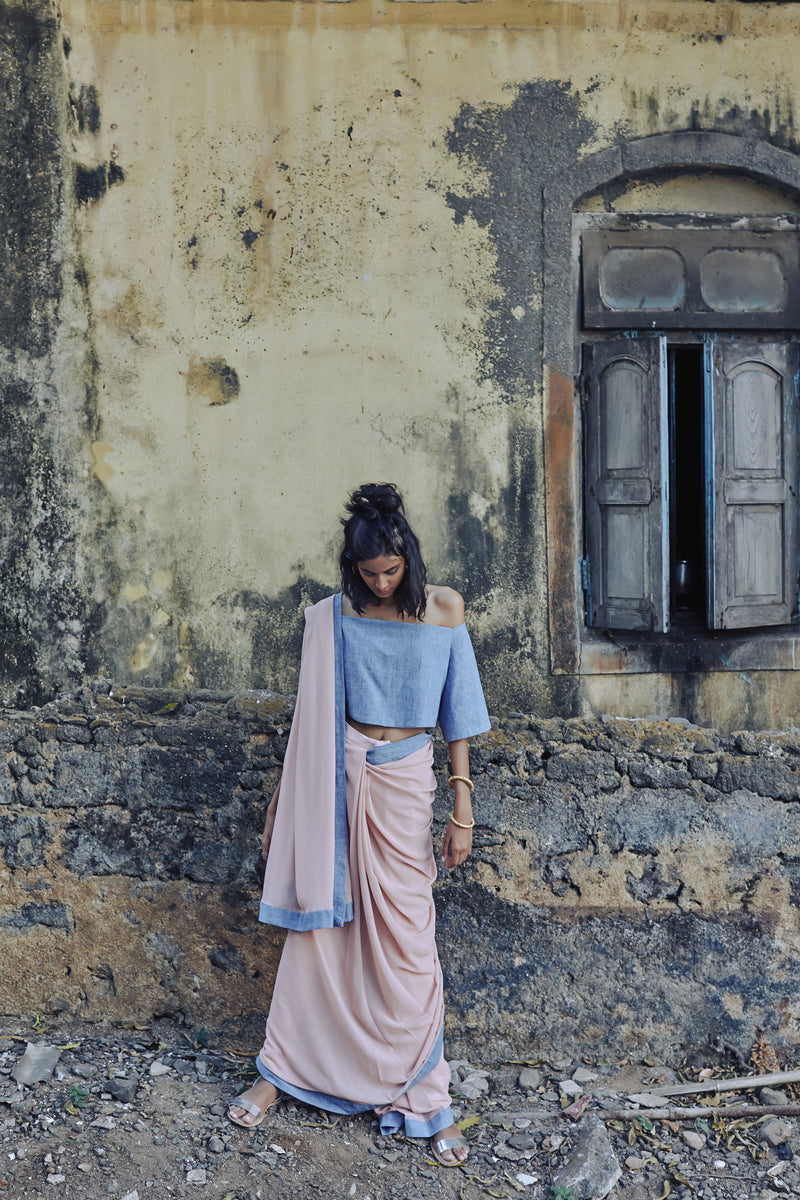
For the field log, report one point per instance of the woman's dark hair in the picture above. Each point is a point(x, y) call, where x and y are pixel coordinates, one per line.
point(376, 526)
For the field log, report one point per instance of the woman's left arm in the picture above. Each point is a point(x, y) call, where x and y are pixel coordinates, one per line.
point(458, 841)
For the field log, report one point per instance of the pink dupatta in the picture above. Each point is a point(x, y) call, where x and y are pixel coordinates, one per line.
point(306, 883)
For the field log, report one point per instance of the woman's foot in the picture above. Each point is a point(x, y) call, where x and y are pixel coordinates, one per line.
point(449, 1146)
point(261, 1096)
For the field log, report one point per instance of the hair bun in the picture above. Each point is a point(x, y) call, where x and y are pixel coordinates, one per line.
point(372, 501)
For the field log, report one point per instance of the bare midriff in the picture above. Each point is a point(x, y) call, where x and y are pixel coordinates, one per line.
point(380, 733)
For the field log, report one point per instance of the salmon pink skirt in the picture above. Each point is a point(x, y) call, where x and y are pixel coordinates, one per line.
point(356, 1016)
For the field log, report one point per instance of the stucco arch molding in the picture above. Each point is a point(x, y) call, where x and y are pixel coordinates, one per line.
point(711, 151)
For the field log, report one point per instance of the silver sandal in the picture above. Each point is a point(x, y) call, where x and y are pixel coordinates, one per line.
point(438, 1147)
point(253, 1109)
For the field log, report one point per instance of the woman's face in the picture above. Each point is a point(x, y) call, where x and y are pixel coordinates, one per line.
point(383, 574)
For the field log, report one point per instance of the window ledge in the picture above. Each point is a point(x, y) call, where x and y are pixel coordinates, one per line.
point(617, 652)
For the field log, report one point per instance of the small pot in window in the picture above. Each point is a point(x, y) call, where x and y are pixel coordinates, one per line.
point(685, 583)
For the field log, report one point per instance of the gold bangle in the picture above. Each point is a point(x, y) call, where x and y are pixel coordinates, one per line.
point(464, 779)
point(460, 824)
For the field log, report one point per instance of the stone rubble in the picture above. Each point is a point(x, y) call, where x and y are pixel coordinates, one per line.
point(108, 1125)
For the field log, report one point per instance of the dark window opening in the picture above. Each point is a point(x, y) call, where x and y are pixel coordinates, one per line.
point(687, 518)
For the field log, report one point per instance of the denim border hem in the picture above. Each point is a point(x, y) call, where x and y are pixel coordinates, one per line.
point(391, 1121)
point(396, 1122)
point(302, 922)
point(315, 1099)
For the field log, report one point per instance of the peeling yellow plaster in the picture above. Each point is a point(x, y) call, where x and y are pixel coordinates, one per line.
point(101, 469)
point(143, 654)
point(345, 359)
point(162, 581)
point(184, 676)
point(697, 17)
point(133, 591)
point(697, 192)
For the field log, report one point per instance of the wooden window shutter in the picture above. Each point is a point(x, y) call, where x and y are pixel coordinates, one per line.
point(626, 440)
point(751, 490)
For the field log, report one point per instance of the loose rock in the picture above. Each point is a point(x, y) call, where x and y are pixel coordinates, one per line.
point(647, 1100)
point(123, 1088)
point(472, 1087)
point(37, 1063)
point(507, 1152)
point(568, 1088)
point(592, 1168)
point(775, 1131)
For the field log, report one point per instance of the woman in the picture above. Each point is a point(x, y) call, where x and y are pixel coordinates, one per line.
point(357, 1012)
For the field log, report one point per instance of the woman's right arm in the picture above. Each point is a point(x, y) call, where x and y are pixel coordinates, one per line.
point(269, 823)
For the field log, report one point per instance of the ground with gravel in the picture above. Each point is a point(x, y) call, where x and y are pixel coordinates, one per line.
point(139, 1113)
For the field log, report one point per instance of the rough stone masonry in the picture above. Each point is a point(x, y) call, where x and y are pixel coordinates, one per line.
point(633, 889)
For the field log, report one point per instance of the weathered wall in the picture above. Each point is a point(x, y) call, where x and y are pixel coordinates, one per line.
point(634, 886)
point(48, 613)
point(277, 248)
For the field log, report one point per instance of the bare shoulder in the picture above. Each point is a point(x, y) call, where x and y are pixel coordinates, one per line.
point(445, 606)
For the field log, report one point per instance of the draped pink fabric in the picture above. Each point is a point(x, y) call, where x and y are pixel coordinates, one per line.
point(301, 877)
point(357, 1011)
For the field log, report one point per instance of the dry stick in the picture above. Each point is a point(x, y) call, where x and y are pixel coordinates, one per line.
point(733, 1112)
point(727, 1085)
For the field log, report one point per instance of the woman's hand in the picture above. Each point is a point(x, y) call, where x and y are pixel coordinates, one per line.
point(456, 846)
point(269, 823)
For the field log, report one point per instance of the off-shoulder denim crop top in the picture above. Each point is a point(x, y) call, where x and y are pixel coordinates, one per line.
point(403, 675)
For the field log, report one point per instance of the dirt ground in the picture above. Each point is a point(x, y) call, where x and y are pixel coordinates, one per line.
point(168, 1135)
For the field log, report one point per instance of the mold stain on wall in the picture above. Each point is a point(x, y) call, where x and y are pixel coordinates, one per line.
point(212, 379)
point(48, 598)
point(769, 119)
point(513, 150)
point(517, 148)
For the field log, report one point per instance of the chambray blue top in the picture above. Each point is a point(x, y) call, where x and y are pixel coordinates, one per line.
point(404, 675)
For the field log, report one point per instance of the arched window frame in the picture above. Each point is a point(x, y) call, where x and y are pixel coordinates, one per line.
point(576, 649)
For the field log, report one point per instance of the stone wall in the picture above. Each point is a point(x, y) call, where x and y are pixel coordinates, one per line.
point(633, 890)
